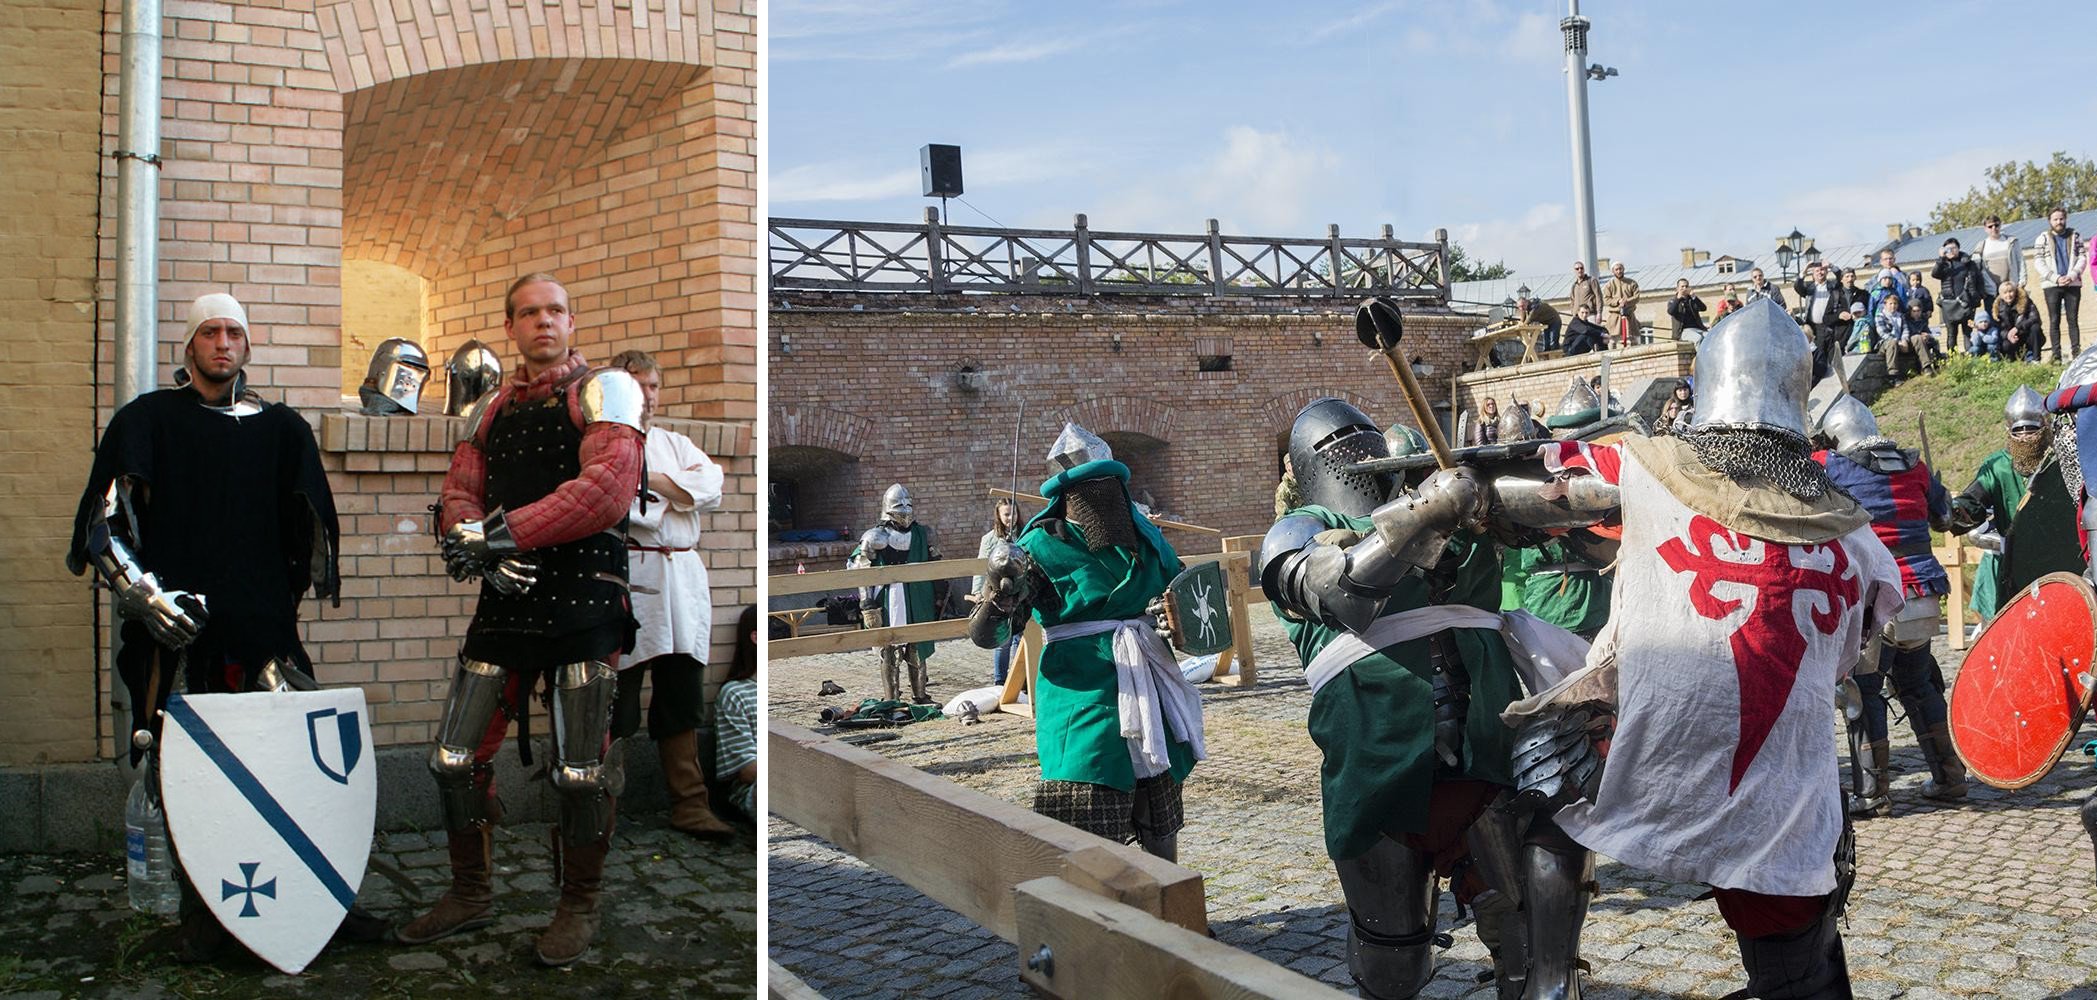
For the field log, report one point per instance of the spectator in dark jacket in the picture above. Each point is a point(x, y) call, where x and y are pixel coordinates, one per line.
point(1825, 315)
point(1685, 309)
point(1919, 294)
point(2018, 316)
point(1583, 334)
point(1961, 290)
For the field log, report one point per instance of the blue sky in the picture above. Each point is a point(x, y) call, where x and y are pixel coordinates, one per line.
point(1729, 125)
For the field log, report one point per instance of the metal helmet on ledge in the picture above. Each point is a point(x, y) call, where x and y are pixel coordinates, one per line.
point(2026, 408)
point(1074, 447)
point(471, 372)
point(1328, 438)
point(896, 507)
point(393, 381)
point(1580, 405)
point(1754, 369)
point(1848, 423)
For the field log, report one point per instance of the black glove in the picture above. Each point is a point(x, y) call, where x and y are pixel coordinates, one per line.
point(472, 547)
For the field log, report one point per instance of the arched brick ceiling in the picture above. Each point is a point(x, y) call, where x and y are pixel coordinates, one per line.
point(435, 163)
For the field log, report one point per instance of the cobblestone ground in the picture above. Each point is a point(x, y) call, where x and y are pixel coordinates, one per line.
point(1988, 898)
point(680, 921)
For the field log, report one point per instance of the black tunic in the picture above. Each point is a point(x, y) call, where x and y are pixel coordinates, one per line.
point(228, 508)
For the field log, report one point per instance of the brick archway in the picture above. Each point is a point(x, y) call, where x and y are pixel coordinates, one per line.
point(820, 427)
point(1121, 414)
point(1281, 411)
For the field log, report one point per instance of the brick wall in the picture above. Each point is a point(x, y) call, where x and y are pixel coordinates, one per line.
point(877, 394)
point(465, 142)
point(1547, 381)
point(49, 114)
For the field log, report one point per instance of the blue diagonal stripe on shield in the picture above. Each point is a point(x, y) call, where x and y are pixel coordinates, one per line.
point(265, 804)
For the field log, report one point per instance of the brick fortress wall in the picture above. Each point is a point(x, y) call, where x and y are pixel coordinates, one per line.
point(862, 398)
point(467, 142)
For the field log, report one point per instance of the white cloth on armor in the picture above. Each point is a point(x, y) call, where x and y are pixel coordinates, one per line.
point(679, 616)
point(1716, 773)
point(1151, 692)
point(1390, 630)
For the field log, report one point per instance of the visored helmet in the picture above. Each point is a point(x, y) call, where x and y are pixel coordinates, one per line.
point(394, 379)
point(1328, 437)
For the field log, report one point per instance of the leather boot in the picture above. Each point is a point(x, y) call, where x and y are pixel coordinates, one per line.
point(467, 905)
point(580, 868)
point(1875, 798)
point(689, 808)
point(199, 939)
point(1947, 772)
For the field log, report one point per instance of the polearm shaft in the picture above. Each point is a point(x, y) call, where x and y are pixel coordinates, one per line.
point(1423, 414)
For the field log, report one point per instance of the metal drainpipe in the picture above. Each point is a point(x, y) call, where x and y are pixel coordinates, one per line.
point(1574, 28)
point(137, 249)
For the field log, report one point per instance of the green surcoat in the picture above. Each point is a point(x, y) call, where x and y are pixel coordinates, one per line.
point(1576, 600)
point(1374, 721)
point(2002, 489)
point(1077, 721)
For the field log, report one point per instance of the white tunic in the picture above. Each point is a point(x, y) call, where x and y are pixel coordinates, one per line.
point(1721, 774)
point(670, 591)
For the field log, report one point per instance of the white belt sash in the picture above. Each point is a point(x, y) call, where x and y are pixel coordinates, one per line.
point(1152, 694)
point(1390, 630)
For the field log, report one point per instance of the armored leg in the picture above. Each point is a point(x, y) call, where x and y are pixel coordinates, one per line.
point(1390, 906)
point(585, 773)
point(1495, 841)
point(1559, 876)
point(465, 786)
point(891, 669)
point(920, 683)
point(1806, 964)
point(1920, 686)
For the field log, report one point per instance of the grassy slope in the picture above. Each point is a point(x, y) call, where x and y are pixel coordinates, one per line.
point(1963, 405)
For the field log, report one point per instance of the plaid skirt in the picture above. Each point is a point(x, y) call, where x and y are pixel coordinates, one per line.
point(1154, 807)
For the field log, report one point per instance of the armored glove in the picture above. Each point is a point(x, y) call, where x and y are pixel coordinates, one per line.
point(1161, 620)
point(1007, 578)
point(175, 617)
point(471, 548)
point(513, 574)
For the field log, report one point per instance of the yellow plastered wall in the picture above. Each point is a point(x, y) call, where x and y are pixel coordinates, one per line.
point(379, 302)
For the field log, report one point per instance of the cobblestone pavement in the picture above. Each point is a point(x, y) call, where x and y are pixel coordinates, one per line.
point(1989, 898)
point(680, 921)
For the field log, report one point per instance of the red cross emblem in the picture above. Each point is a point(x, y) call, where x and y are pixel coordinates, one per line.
point(1770, 643)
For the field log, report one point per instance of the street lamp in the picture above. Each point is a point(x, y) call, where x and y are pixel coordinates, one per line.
point(1788, 251)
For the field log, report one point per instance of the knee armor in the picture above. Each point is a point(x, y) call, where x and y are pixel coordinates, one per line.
point(583, 694)
point(475, 696)
point(1390, 895)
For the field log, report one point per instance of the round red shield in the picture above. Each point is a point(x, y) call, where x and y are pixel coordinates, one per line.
point(2025, 684)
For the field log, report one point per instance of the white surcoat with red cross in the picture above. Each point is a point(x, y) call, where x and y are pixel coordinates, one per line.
point(1723, 768)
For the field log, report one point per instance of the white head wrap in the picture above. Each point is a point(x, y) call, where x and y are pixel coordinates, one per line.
point(217, 305)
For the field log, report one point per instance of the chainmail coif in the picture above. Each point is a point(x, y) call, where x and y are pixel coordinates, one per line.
point(1778, 458)
point(1100, 508)
point(2026, 456)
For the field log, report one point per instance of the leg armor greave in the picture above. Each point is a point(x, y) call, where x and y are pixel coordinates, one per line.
point(1495, 841)
point(1390, 894)
point(464, 784)
point(920, 679)
point(584, 774)
point(2089, 818)
point(1558, 879)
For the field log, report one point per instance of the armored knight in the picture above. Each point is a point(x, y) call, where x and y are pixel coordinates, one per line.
point(1747, 581)
point(895, 540)
point(1391, 598)
point(1905, 502)
point(208, 515)
point(1986, 511)
point(1088, 568)
point(539, 485)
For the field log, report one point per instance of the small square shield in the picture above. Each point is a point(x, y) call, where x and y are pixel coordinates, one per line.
point(1200, 610)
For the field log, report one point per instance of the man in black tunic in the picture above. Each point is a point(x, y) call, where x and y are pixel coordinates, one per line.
point(208, 514)
point(538, 489)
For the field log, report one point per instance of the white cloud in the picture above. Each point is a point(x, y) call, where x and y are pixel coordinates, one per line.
point(840, 182)
point(1534, 40)
point(1013, 53)
point(1859, 211)
point(1540, 240)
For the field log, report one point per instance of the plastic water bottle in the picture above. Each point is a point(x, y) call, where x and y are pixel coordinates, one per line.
point(800, 569)
point(149, 864)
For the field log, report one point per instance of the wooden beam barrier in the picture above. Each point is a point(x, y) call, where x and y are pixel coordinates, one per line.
point(867, 638)
point(782, 984)
point(1235, 666)
point(883, 812)
point(1075, 945)
point(791, 584)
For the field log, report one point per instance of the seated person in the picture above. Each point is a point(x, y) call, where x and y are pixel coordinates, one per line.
point(1583, 334)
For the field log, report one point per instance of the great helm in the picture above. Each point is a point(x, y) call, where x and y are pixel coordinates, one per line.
point(895, 505)
point(393, 381)
point(1848, 423)
point(1755, 370)
point(2026, 408)
point(1328, 438)
point(471, 372)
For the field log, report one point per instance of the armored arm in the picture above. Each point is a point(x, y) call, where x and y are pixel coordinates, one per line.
point(1526, 496)
point(1011, 583)
point(175, 617)
point(1347, 586)
point(1970, 509)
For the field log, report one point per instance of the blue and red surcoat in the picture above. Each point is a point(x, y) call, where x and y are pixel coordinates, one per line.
point(1902, 506)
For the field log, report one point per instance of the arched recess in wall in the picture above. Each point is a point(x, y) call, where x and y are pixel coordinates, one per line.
point(1140, 432)
point(817, 482)
point(1279, 413)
